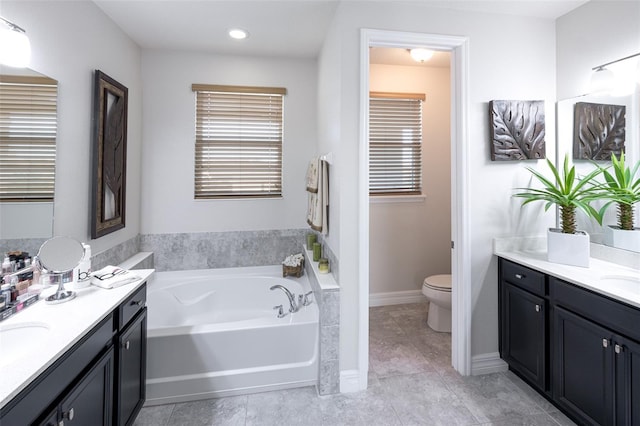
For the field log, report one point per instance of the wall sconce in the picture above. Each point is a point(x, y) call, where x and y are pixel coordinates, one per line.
point(420, 54)
point(603, 79)
point(15, 49)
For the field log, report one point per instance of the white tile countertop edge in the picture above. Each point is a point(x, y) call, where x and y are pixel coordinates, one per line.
point(68, 322)
point(590, 278)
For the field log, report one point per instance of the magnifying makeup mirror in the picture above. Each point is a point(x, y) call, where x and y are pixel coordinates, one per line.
point(58, 257)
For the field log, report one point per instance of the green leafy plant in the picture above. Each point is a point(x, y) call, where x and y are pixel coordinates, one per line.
point(622, 187)
point(566, 190)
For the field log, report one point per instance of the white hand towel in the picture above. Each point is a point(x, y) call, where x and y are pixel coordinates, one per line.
point(312, 175)
point(318, 205)
point(112, 277)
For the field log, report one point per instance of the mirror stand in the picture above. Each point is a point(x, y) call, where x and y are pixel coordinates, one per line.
point(61, 295)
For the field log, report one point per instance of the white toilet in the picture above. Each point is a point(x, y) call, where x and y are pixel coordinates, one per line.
point(437, 288)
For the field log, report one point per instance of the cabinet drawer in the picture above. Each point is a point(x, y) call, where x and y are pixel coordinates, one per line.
point(130, 307)
point(523, 277)
point(617, 316)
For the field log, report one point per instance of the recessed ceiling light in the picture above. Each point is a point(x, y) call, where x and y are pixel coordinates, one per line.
point(238, 33)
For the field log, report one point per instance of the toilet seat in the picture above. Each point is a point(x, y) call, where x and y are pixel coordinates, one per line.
point(438, 282)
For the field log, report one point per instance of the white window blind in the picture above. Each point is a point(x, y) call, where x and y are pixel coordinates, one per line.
point(27, 138)
point(238, 141)
point(395, 143)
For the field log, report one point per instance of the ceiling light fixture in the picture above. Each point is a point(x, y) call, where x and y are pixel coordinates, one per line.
point(420, 54)
point(603, 79)
point(15, 49)
point(238, 34)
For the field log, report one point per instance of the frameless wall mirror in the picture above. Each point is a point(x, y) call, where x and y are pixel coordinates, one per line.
point(566, 132)
point(28, 128)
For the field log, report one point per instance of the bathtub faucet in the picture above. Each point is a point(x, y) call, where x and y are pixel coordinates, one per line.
point(293, 306)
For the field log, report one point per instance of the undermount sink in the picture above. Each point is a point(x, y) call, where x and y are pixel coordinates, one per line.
point(18, 340)
point(623, 282)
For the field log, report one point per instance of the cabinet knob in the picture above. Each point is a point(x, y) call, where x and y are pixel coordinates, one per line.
point(520, 276)
point(126, 345)
point(605, 343)
point(68, 415)
point(617, 348)
point(538, 308)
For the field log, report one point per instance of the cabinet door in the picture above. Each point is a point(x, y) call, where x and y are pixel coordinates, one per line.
point(131, 366)
point(583, 382)
point(90, 401)
point(524, 334)
point(627, 365)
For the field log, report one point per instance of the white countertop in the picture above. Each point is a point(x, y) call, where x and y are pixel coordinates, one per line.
point(67, 323)
point(610, 279)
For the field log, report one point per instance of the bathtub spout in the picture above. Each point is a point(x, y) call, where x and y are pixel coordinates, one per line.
point(293, 307)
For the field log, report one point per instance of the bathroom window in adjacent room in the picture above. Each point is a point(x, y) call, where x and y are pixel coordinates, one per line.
point(238, 141)
point(28, 108)
point(395, 143)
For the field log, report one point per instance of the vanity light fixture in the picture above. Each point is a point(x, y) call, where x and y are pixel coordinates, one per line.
point(15, 49)
point(238, 34)
point(421, 55)
point(603, 79)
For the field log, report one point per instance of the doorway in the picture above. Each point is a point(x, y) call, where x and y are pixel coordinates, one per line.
point(460, 269)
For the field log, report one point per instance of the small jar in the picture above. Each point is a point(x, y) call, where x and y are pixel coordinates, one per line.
point(323, 266)
point(317, 251)
point(311, 238)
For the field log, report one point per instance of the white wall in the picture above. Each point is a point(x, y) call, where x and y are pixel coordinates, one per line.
point(412, 240)
point(168, 204)
point(594, 34)
point(510, 58)
point(69, 40)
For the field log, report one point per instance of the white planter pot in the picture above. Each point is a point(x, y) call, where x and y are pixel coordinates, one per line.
point(622, 238)
point(568, 249)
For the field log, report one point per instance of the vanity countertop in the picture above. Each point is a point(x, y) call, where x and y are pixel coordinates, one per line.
point(63, 324)
point(610, 279)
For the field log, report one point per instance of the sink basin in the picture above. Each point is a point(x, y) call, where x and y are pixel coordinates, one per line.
point(19, 340)
point(628, 283)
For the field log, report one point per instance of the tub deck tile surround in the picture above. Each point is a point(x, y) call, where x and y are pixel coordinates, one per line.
point(207, 250)
point(326, 292)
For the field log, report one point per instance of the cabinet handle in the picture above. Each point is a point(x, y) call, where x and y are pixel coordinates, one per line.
point(68, 415)
point(520, 276)
point(126, 345)
point(605, 343)
point(538, 308)
point(617, 348)
point(136, 302)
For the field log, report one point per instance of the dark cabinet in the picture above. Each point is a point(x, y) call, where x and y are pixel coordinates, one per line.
point(524, 334)
point(131, 369)
point(523, 323)
point(578, 348)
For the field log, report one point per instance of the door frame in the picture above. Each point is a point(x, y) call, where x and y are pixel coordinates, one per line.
point(460, 252)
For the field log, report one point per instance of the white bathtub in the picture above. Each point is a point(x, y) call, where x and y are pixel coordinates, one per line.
point(214, 333)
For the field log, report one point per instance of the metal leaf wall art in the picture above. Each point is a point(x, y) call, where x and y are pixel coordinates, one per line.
point(517, 130)
point(599, 131)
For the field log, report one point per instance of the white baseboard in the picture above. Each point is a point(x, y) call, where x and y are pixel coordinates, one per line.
point(487, 364)
point(350, 381)
point(396, 298)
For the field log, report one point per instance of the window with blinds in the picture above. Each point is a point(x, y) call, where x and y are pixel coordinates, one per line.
point(395, 143)
point(27, 138)
point(238, 141)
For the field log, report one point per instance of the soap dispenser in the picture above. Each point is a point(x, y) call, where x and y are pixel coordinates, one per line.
point(84, 268)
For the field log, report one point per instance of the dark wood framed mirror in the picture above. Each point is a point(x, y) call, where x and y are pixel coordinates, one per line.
point(109, 155)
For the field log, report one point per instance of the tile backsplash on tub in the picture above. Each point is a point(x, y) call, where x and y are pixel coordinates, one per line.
point(206, 250)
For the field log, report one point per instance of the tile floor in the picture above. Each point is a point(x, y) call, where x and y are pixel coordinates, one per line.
point(411, 382)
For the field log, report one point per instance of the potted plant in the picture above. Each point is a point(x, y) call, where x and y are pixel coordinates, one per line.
point(569, 192)
point(622, 187)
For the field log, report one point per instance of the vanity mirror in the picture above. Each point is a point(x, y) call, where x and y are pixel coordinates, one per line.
point(28, 127)
point(565, 143)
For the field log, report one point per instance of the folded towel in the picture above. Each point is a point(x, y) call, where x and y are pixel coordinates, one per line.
point(318, 205)
point(312, 175)
point(112, 277)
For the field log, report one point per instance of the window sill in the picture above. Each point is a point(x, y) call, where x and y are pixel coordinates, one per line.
point(391, 199)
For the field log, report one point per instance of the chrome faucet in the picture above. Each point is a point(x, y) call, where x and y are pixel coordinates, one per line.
point(293, 306)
